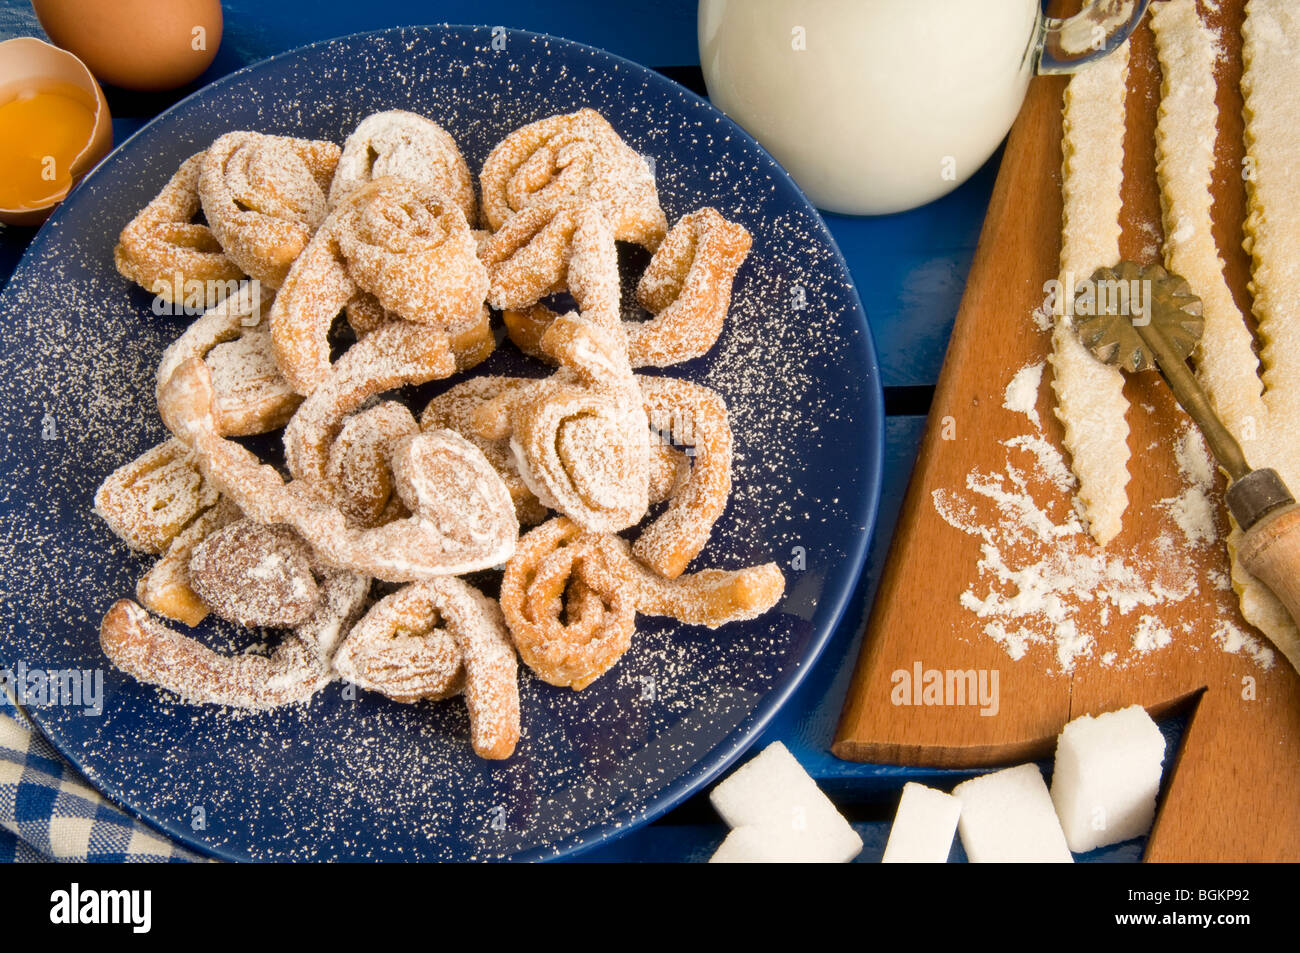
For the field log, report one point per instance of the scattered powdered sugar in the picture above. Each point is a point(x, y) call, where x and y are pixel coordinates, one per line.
point(1071, 644)
point(1195, 513)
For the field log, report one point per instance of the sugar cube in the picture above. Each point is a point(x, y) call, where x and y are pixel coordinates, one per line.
point(773, 794)
point(1107, 777)
point(923, 827)
point(765, 845)
point(1008, 817)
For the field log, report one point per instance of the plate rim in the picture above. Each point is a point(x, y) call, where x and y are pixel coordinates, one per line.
point(691, 781)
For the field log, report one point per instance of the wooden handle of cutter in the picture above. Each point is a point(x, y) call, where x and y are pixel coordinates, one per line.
point(1270, 551)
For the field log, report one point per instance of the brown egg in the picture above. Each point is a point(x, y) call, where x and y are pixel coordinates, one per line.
point(137, 44)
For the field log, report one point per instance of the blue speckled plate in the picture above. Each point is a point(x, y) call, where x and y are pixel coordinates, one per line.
point(361, 778)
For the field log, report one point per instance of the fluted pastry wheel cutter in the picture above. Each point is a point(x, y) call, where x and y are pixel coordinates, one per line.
point(1140, 318)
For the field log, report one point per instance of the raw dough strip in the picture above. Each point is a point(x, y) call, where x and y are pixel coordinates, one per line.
point(1185, 134)
point(1090, 400)
point(1271, 87)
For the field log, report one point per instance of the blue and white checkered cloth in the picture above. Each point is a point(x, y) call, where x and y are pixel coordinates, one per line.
point(49, 813)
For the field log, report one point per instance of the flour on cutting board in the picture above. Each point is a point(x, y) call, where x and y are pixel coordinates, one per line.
point(1194, 510)
point(1022, 392)
point(1040, 577)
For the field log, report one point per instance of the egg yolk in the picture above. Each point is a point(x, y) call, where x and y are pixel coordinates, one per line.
point(41, 133)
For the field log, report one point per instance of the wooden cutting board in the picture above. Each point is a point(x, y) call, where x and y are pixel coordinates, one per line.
point(1230, 791)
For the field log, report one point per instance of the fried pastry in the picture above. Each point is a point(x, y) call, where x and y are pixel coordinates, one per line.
point(384, 231)
point(687, 287)
point(412, 248)
point(408, 146)
point(264, 197)
point(165, 251)
point(472, 341)
point(257, 575)
point(570, 598)
point(459, 407)
point(575, 156)
point(151, 499)
point(403, 244)
point(396, 355)
point(165, 588)
point(570, 610)
point(155, 654)
point(710, 597)
point(695, 416)
point(545, 249)
point(435, 639)
point(365, 313)
point(580, 438)
point(461, 517)
point(455, 410)
point(252, 395)
point(358, 473)
point(525, 328)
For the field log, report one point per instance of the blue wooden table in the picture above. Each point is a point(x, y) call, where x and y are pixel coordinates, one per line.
point(910, 269)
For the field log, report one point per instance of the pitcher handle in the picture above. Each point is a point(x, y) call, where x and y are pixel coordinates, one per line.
point(1065, 45)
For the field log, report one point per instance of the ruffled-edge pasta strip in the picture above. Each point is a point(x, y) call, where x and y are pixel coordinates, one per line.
point(1185, 135)
point(1090, 400)
point(1271, 86)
